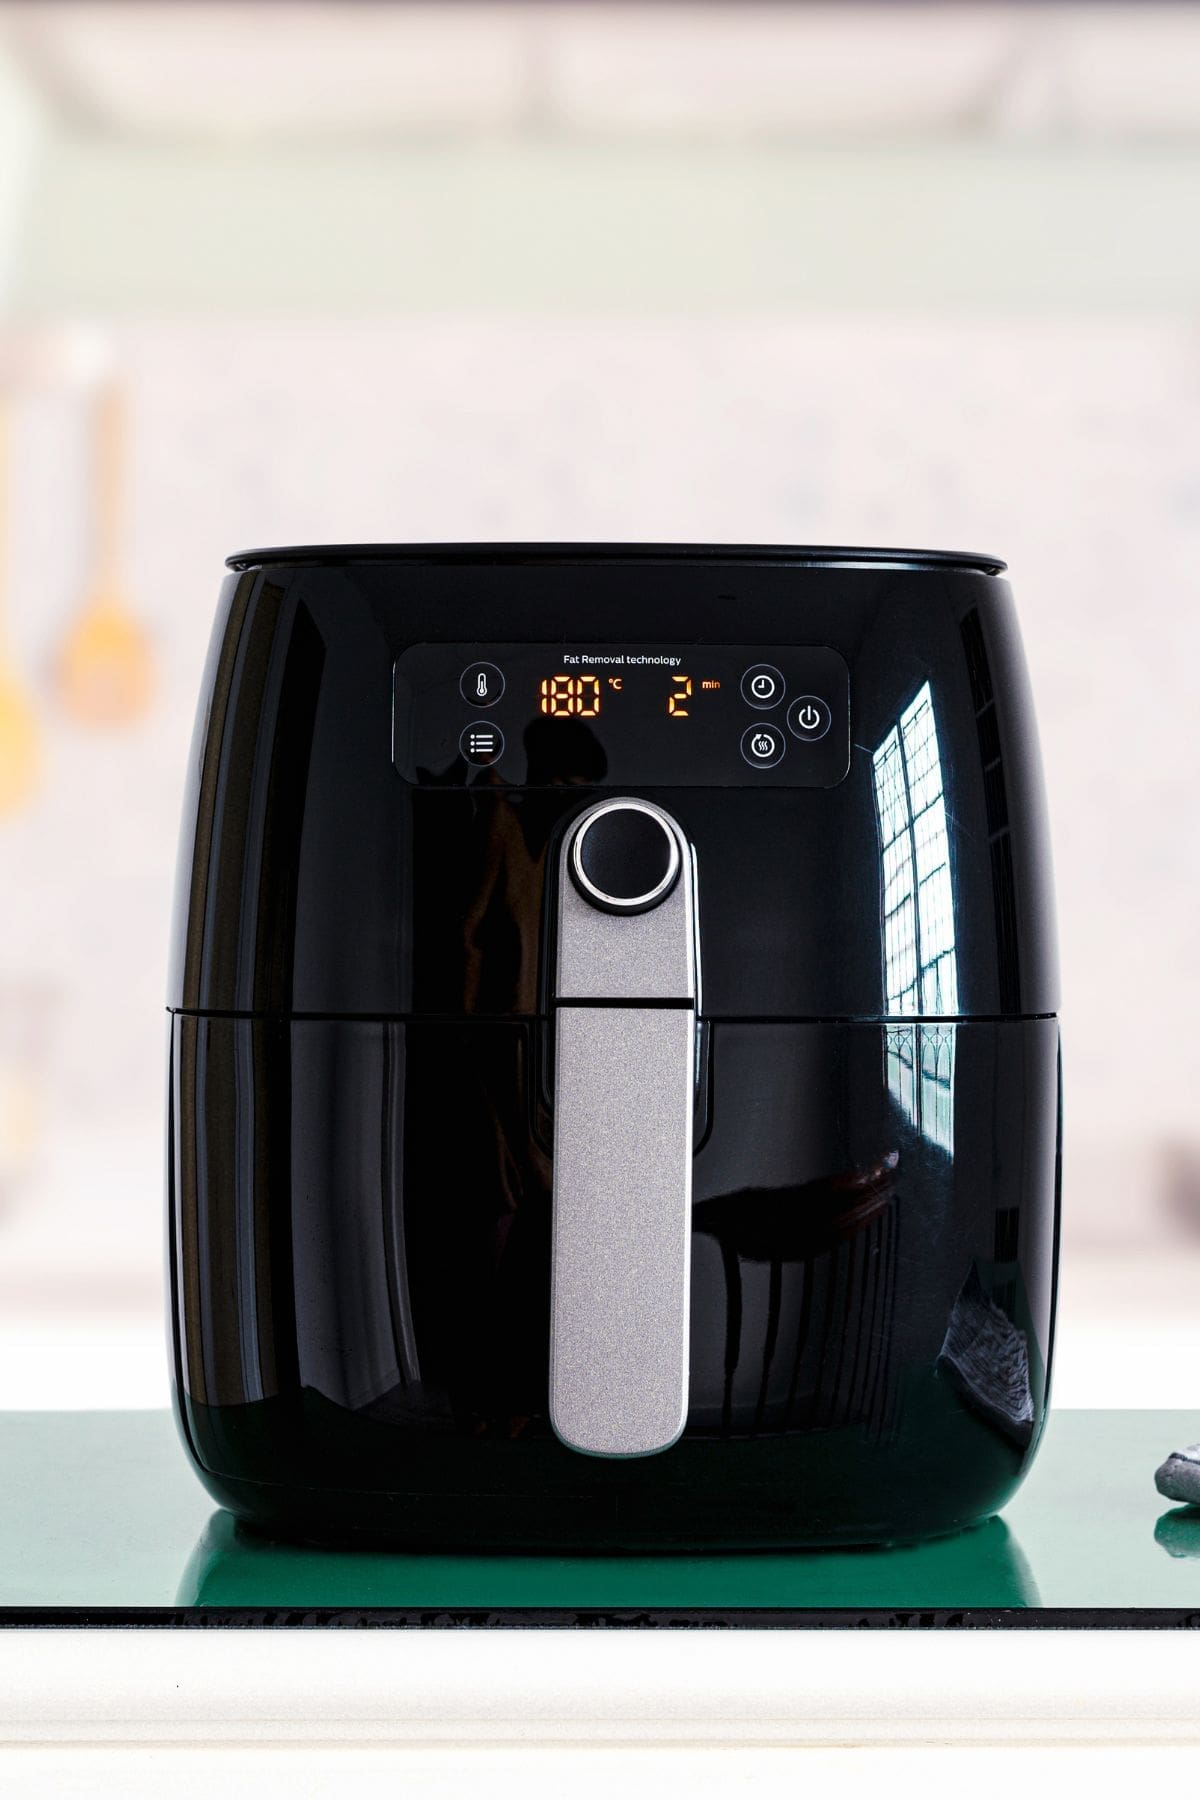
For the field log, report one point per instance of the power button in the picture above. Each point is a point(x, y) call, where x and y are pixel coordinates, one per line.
point(809, 718)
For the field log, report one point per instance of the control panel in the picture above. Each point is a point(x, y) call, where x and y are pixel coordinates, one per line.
point(651, 715)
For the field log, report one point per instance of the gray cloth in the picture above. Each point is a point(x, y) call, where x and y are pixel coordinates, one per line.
point(1179, 1477)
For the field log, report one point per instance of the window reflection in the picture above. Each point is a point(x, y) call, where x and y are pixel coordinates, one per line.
point(920, 962)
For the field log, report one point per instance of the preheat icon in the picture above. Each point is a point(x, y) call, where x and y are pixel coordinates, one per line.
point(763, 746)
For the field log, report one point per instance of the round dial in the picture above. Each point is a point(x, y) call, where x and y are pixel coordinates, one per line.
point(625, 858)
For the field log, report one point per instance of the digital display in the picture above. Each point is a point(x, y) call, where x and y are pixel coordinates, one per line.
point(567, 696)
point(581, 696)
point(530, 715)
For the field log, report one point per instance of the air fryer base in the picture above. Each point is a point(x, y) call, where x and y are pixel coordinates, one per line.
point(873, 1318)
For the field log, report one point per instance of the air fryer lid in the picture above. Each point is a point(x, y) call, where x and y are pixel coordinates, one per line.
point(366, 839)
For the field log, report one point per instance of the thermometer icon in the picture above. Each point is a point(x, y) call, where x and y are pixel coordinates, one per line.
point(481, 684)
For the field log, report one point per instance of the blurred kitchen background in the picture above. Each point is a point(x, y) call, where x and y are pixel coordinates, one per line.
point(297, 272)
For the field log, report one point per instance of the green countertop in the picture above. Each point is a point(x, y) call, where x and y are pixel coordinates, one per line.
point(104, 1523)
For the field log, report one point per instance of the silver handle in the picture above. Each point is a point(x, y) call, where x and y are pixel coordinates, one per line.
point(624, 1096)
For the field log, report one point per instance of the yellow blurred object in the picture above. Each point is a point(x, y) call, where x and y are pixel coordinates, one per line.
point(20, 744)
point(105, 672)
point(20, 738)
point(20, 1123)
point(105, 668)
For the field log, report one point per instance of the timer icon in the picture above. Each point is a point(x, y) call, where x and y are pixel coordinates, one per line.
point(762, 686)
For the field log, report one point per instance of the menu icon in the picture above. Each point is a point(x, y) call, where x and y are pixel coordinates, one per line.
point(481, 744)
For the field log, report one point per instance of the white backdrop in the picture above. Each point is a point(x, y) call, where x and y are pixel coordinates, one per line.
point(1068, 448)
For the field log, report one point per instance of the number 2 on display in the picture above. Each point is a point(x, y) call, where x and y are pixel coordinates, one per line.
point(677, 704)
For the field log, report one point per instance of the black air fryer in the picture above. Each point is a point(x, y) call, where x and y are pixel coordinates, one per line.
point(614, 1064)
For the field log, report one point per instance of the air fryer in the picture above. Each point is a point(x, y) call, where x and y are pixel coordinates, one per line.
point(614, 1063)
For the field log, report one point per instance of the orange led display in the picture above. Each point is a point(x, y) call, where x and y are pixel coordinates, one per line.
point(677, 702)
point(571, 696)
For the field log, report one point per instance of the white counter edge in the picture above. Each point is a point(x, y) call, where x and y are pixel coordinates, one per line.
point(555, 1688)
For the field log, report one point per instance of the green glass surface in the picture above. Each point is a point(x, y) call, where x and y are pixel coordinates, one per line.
point(101, 1511)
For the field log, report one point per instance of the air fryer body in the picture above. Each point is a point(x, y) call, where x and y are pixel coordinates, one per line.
point(365, 1026)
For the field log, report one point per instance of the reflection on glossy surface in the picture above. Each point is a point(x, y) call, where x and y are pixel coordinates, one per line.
point(987, 1358)
point(502, 953)
point(233, 1565)
point(1178, 1531)
point(920, 960)
point(808, 1226)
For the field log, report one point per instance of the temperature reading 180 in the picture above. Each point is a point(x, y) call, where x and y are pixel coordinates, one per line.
point(571, 696)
